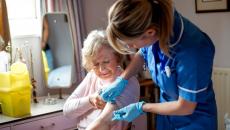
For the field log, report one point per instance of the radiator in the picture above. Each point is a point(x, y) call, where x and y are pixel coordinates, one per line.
point(221, 84)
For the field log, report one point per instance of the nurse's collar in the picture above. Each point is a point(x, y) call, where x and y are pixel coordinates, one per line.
point(181, 32)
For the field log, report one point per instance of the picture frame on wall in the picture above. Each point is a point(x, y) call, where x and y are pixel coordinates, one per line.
point(203, 6)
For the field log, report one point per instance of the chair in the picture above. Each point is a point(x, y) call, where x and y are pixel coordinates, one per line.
point(149, 93)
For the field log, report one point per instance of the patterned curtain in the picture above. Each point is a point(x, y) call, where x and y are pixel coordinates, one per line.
point(73, 8)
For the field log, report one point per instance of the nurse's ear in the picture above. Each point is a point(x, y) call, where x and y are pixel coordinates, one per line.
point(151, 32)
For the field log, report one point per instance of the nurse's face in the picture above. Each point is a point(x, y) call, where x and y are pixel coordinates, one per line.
point(105, 63)
point(146, 39)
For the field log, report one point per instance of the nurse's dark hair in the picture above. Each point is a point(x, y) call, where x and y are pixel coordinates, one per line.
point(129, 19)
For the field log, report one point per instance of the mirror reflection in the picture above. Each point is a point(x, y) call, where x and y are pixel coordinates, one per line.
point(58, 51)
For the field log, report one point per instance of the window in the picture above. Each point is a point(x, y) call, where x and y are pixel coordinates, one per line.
point(24, 17)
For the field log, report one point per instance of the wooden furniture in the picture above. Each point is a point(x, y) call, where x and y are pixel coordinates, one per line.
point(149, 93)
point(42, 117)
point(140, 123)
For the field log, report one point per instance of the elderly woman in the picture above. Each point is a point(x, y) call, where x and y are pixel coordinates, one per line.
point(103, 66)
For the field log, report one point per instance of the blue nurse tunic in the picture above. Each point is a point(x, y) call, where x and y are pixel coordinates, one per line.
point(187, 73)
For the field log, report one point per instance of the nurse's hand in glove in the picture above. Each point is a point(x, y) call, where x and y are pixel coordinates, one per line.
point(129, 113)
point(115, 89)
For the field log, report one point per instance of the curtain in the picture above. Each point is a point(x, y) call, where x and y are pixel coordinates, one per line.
point(4, 24)
point(73, 8)
point(78, 32)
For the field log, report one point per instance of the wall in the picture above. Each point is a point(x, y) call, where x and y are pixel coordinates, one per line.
point(95, 13)
point(216, 25)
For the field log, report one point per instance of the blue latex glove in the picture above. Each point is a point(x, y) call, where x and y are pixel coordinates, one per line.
point(111, 92)
point(129, 113)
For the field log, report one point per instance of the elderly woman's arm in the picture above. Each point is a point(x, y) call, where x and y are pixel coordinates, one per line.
point(78, 102)
point(104, 121)
point(129, 95)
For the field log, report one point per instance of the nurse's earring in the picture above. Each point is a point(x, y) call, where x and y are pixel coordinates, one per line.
point(167, 71)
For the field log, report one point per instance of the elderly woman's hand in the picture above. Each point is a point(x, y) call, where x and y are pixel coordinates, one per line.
point(97, 101)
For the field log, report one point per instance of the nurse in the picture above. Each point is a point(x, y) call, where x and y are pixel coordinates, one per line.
point(179, 57)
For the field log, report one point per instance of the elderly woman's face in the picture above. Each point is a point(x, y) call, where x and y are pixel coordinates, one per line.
point(105, 63)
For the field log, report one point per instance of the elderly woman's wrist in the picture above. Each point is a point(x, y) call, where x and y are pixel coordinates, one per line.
point(90, 100)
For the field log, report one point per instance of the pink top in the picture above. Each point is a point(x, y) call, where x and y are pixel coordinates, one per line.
point(78, 105)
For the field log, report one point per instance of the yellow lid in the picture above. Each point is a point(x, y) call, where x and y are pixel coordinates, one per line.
point(19, 75)
point(18, 67)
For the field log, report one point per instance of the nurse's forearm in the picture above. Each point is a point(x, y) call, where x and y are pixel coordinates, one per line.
point(180, 107)
point(134, 67)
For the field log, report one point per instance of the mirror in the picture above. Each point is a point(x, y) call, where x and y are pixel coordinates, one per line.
point(59, 51)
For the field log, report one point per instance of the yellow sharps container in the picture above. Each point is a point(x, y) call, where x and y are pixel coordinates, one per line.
point(15, 91)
